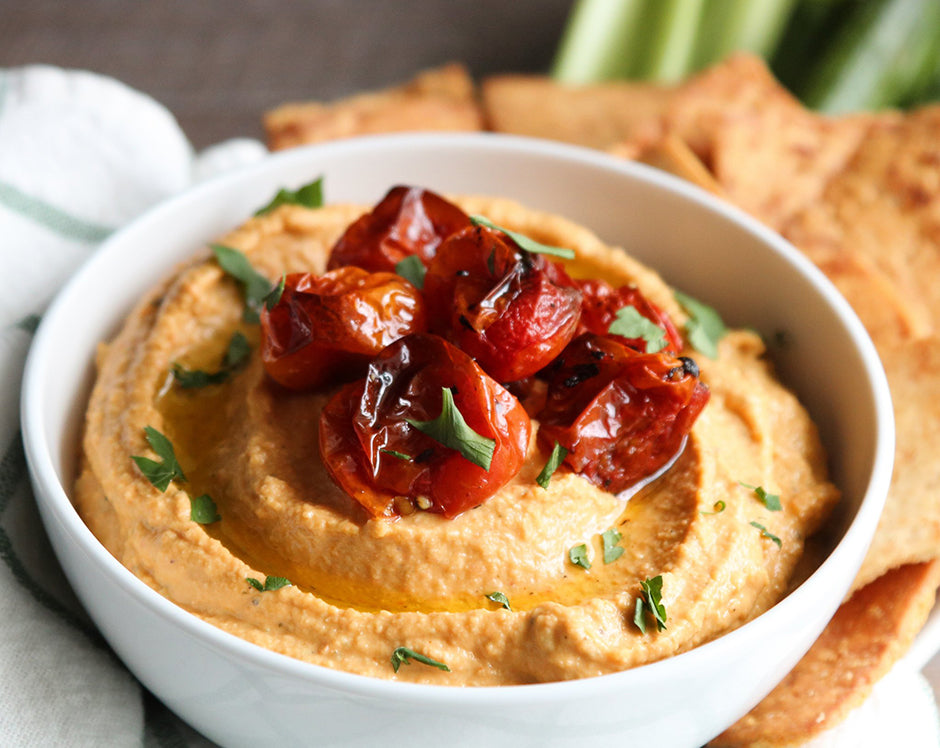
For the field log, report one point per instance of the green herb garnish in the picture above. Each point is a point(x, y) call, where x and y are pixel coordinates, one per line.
point(255, 286)
point(203, 510)
point(412, 270)
point(525, 242)
point(650, 600)
point(270, 583)
point(399, 455)
point(500, 598)
point(554, 460)
point(451, 430)
point(404, 656)
point(161, 473)
point(236, 354)
point(308, 196)
point(717, 508)
point(631, 324)
point(609, 541)
point(704, 327)
point(192, 379)
point(29, 323)
point(274, 295)
point(769, 500)
point(578, 555)
point(767, 534)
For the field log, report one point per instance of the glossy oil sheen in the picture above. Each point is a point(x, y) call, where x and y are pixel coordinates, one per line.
point(221, 684)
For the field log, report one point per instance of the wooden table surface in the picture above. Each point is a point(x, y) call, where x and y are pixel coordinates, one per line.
point(218, 64)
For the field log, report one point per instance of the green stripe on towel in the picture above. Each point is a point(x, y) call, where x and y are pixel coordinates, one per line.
point(51, 217)
point(12, 475)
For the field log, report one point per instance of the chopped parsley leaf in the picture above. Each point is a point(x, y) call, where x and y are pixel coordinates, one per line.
point(236, 354)
point(524, 242)
point(499, 598)
point(717, 508)
point(255, 286)
point(275, 294)
point(767, 534)
point(159, 473)
point(203, 510)
point(704, 327)
point(651, 601)
point(29, 323)
point(451, 430)
point(412, 270)
point(308, 196)
point(404, 656)
point(193, 379)
point(769, 500)
point(631, 324)
point(554, 460)
point(609, 541)
point(270, 583)
point(399, 455)
point(578, 555)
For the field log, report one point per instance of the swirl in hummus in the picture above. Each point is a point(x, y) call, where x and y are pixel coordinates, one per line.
point(362, 586)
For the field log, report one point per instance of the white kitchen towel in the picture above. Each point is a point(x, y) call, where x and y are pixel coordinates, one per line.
point(80, 155)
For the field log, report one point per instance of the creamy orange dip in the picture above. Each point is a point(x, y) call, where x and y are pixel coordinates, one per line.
point(362, 587)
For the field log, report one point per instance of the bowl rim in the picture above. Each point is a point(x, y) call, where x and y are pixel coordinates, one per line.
point(51, 494)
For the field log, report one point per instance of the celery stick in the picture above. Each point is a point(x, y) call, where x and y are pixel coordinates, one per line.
point(810, 27)
point(671, 27)
point(925, 83)
point(731, 25)
point(599, 41)
point(868, 62)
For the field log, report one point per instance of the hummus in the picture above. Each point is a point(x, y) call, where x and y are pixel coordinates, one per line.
point(360, 587)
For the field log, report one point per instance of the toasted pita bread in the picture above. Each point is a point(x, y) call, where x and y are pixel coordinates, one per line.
point(883, 204)
point(439, 99)
point(673, 155)
point(888, 315)
point(596, 116)
point(909, 529)
point(864, 639)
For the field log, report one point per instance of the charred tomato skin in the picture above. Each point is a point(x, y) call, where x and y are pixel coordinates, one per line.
point(326, 328)
point(407, 221)
point(376, 456)
point(511, 310)
point(601, 302)
point(621, 414)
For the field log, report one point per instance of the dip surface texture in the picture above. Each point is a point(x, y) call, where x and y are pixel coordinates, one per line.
point(360, 587)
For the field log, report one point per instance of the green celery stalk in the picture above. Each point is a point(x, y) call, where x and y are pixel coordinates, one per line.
point(665, 53)
point(809, 28)
point(747, 25)
point(599, 41)
point(874, 57)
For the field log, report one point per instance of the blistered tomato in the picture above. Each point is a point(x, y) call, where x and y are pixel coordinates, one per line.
point(377, 455)
point(326, 328)
point(621, 414)
point(407, 221)
point(601, 304)
point(511, 310)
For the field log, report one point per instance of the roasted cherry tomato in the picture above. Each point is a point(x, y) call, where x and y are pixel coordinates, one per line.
point(621, 414)
point(512, 310)
point(407, 221)
point(326, 328)
point(600, 305)
point(380, 459)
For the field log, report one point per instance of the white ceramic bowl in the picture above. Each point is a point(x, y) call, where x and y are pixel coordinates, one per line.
point(239, 694)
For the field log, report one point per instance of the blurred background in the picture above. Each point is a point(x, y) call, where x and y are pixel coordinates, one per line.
point(219, 64)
